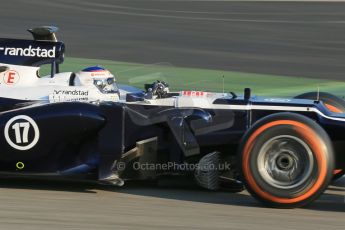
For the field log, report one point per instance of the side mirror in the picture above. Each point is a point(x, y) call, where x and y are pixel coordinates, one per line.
point(4, 69)
point(247, 94)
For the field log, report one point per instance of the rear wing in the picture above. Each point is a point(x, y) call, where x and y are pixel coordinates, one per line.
point(30, 53)
point(44, 33)
point(44, 49)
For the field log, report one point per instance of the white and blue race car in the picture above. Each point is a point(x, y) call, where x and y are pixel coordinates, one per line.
point(83, 126)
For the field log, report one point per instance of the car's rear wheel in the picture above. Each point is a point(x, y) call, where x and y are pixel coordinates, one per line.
point(287, 160)
point(335, 105)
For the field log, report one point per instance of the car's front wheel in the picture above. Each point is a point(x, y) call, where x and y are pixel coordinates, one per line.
point(335, 105)
point(287, 160)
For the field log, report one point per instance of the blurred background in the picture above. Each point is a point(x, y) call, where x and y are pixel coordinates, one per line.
point(276, 48)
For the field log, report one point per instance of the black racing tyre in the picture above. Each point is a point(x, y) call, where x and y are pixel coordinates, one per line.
point(287, 160)
point(333, 103)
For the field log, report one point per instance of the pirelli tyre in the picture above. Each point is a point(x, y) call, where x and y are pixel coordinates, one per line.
point(286, 160)
point(334, 104)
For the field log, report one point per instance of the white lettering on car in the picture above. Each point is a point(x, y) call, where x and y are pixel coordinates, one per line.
point(29, 52)
point(17, 131)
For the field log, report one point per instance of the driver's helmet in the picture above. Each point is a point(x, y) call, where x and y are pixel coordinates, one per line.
point(99, 77)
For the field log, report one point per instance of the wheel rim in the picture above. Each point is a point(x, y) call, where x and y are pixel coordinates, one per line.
point(285, 162)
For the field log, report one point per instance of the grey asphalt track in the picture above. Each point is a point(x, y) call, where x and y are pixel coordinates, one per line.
point(284, 38)
point(298, 39)
point(46, 205)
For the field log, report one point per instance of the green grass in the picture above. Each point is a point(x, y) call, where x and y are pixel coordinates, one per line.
point(181, 78)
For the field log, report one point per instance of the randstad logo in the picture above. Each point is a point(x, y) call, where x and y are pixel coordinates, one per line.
point(29, 52)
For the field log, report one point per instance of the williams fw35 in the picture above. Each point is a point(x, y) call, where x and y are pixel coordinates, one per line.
point(84, 126)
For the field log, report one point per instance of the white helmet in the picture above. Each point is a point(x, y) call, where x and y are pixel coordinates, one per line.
point(98, 76)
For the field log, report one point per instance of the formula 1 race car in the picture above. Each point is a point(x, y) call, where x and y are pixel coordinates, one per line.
point(78, 125)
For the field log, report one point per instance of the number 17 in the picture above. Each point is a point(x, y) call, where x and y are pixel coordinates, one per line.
point(21, 137)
